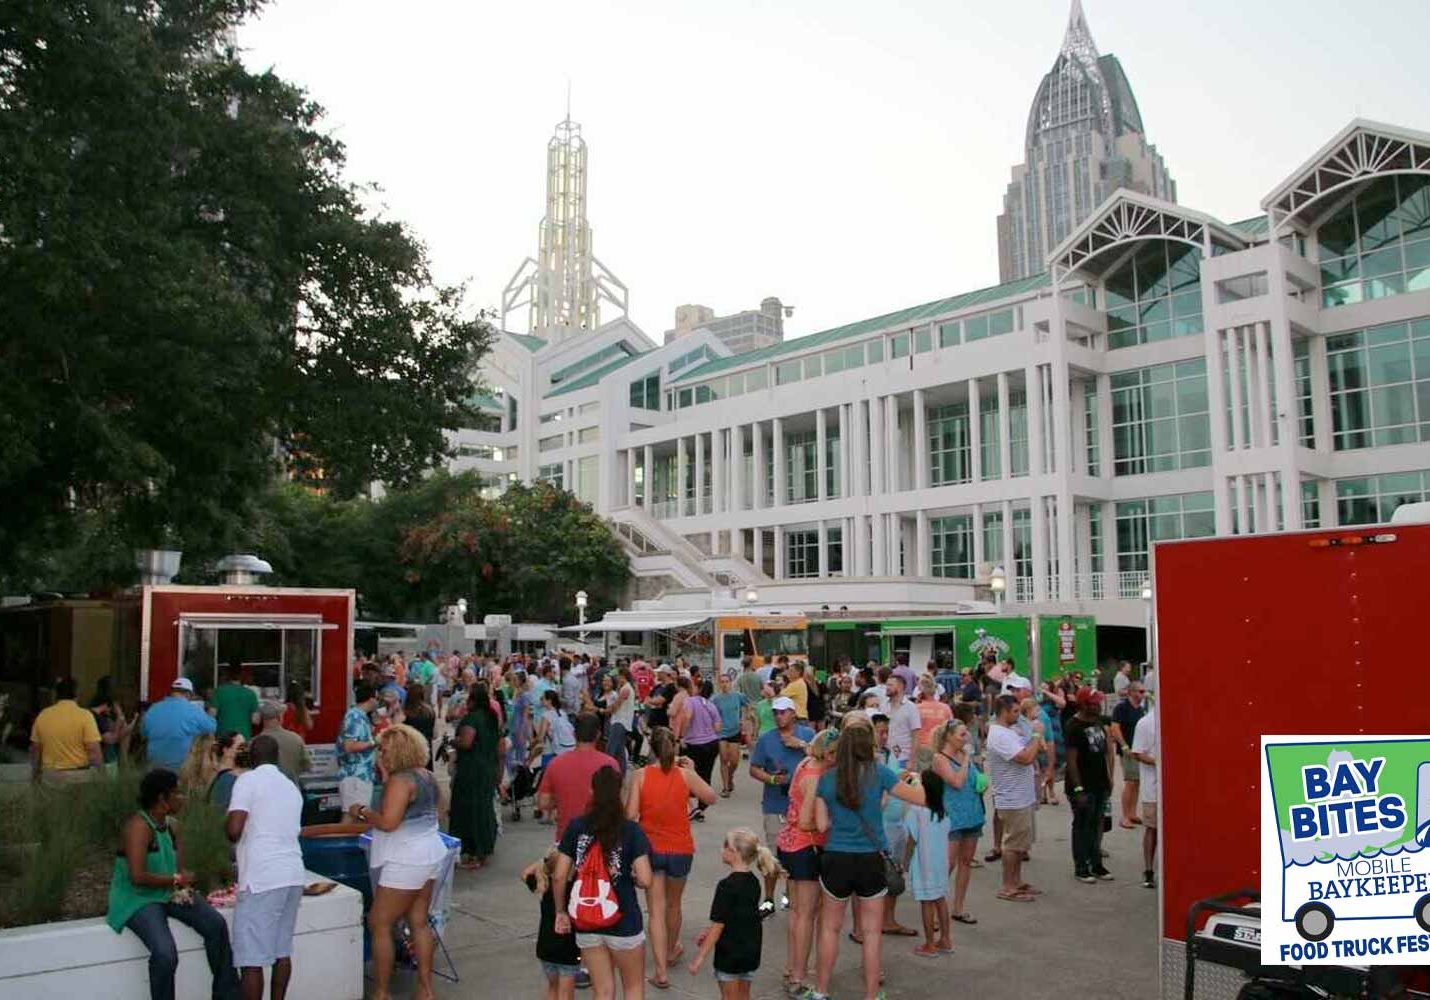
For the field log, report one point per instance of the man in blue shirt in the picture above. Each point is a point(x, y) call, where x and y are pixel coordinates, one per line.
point(170, 726)
point(389, 683)
point(357, 757)
point(777, 753)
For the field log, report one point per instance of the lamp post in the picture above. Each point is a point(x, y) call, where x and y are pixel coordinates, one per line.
point(752, 596)
point(998, 582)
point(1147, 600)
point(581, 613)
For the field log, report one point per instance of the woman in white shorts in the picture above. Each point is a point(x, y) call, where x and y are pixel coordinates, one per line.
point(406, 851)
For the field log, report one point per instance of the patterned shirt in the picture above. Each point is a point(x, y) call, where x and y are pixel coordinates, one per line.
point(358, 728)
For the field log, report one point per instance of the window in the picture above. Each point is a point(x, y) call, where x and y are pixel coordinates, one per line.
point(854, 356)
point(1378, 244)
point(950, 445)
point(1155, 296)
point(1160, 519)
point(701, 353)
point(834, 362)
point(923, 340)
point(876, 351)
point(1017, 434)
point(1160, 419)
point(993, 324)
point(1022, 543)
point(588, 479)
point(990, 434)
point(1380, 385)
point(948, 333)
point(1373, 499)
point(1310, 504)
point(787, 372)
point(802, 553)
point(812, 367)
point(616, 350)
point(1305, 412)
point(277, 650)
point(645, 392)
point(588, 435)
point(684, 398)
point(1246, 286)
point(551, 443)
point(834, 538)
point(801, 472)
point(551, 418)
point(757, 379)
point(1089, 419)
point(993, 538)
point(554, 474)
point(488, 422)
point(833, 466)
point(952, 546)
point(899, 345)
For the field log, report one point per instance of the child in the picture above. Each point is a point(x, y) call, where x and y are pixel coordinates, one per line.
point(734, 931)
point(560, 958)
point(927, 846)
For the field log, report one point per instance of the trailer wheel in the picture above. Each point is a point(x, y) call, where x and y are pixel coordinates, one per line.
point(1422, 912)
point(1314, 921)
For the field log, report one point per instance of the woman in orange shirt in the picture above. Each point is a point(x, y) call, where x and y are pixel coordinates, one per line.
point(932, 712)
point(798, 852)
point(659, 801)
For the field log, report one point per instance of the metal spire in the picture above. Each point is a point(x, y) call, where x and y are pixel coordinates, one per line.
point(1077, 41)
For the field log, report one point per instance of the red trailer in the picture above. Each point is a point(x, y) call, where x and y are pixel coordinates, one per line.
point(1309, 633)
point(277, 634)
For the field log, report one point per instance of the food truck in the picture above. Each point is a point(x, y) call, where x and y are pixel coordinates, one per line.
point(705, 637)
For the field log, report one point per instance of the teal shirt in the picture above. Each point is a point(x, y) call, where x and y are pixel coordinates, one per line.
point(234, 706)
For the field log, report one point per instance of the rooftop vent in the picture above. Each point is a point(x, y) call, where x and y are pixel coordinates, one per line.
point(242, 570)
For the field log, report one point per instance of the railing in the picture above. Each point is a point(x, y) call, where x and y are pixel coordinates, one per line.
point(1023, 589)
point(1123, 586)
point(639, 541)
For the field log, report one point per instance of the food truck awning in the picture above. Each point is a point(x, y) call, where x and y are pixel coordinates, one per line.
point(634, 624)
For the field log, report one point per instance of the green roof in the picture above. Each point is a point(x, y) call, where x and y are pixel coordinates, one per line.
point(532, 344)
point(1253, 228)
point(893, 320)
point(591, 378)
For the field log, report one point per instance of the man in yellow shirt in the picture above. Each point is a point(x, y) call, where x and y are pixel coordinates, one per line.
point(64, 741)
point(797, 691)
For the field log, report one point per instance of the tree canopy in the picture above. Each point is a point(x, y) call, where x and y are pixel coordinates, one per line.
point(193, 295)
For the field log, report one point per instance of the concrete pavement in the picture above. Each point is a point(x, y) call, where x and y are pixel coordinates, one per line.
point(1075, 941)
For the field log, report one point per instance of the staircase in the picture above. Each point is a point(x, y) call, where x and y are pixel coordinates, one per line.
point(657, 551)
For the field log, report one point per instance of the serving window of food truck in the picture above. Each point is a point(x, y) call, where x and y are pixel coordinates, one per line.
point(275, 650)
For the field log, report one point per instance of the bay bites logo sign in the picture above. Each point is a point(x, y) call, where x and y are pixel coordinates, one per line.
point(1345, 850)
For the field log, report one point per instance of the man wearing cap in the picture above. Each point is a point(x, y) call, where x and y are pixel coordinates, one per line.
point(293, 757)
point(391, 682)
point(777, 753)
point(170, 727)
point(1088, 783)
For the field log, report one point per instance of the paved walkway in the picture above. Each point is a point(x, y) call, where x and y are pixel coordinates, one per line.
point(1076, 941)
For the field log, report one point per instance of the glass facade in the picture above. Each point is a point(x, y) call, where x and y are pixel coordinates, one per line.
point(1378, 243)
point(993, 538)
point(802, 553)
point(951, 545)
point(950, 445)
point(1160, 420)
point(645, 392)
point(1159, 519)
point(835, 543)
point(801, 470)
point(990, 464)
point(1017, 434)
point(1380, 385)
point(1089, 421)
point(1305, 414)
point(1310, 504)
point(1156, 295)
point(1372, 499)
point(553, 474)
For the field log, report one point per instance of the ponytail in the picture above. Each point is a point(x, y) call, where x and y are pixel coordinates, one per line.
point(746, 844)
point(662, 743)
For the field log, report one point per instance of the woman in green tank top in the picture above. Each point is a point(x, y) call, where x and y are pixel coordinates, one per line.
point(149, 887)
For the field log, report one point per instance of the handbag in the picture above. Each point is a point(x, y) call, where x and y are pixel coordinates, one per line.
point(893, 873)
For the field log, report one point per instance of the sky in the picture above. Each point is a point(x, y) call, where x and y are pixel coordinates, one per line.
point(847, 157)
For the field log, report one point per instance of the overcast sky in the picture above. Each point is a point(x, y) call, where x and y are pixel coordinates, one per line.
point(848, 157)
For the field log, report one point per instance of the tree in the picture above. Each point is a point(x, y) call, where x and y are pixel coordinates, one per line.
point(193, 296)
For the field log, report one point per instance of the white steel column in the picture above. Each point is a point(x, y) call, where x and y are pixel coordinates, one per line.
point(846, 462)
point(893, 460)
point(1033, 392)
point(1263, 386)
point(777, 434)
point(859, 449)
point(859, 537)
point(979, 555)
point(1108, 512)
point(1010, 561)
point(719, 502)
point(699, 473)
point(1040, 548)
point(846, 545)
point(759, 553)
point(779, 552)
point(821, 461)
point(921, 442)
point(648, 474)
point(1106, 450)
point(975, 433)
point(1005, 430)
point(879, 532)
point(1233, 370)
point(630, 454)
point(1320, 398)
point(1077, 428)
point(737, 468)
point(823, 550)
point(757, 473)
point(681, 464)
point(877, 447)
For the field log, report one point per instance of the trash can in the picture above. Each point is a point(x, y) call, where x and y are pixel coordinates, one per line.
point(334, 851)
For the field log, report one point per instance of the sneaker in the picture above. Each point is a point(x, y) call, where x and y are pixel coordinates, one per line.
point(767, 909)
point(784, 902)
point(1149, 880)
point(1103, 874)
point(1084, 877)
point(583, 979)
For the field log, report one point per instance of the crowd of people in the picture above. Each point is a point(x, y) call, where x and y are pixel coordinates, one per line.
point(876, 782)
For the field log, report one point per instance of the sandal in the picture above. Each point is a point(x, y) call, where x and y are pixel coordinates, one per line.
point(1017, 897)
point(993, 855)
point(899, 931)
point(658, 983)
point(924, 951)
point(1127, 824)
point(1030, 890)
point(964, 918)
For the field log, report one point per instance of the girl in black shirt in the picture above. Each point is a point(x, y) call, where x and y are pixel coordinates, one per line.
point(734, 932)
point(559, 957)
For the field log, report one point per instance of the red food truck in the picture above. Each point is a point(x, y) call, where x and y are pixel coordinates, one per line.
point(1311, 632)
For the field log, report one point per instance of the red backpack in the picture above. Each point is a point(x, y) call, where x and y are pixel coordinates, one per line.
point(592, 903)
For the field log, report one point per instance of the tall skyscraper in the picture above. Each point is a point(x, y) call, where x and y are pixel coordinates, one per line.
point(1085, 139)
point(564, 285)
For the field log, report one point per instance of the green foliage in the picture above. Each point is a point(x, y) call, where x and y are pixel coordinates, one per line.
point(192, 290)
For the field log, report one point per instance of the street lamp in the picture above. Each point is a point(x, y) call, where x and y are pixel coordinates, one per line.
point(581, 611)
point(752, 596)
point(998, 582)
point(1147, 600)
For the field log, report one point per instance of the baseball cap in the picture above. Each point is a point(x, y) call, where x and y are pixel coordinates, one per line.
point(782, 705)
point(1088, 696)
point(182, 684)
point(1016, 682)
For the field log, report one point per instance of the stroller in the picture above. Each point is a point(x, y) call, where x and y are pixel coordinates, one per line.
point(522, 786)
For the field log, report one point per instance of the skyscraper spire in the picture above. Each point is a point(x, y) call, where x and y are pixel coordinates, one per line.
point(1077, 40)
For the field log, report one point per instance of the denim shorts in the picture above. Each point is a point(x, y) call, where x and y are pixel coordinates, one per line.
point(802, 865)
point(560, 971)
point(671, 865)
point(967, 833)
point(734, 977)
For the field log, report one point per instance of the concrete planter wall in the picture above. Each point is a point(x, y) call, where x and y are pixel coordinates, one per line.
point(84, 958)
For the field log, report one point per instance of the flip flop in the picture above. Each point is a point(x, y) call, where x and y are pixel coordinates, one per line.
point(1030, 890)
point(1127, 824)
point(899, 932)
point(856, 940)
point(964, 918)
point(993, 856)
point(658, 984)
point(946, 951)
point(1016, 897)
point(923, 951)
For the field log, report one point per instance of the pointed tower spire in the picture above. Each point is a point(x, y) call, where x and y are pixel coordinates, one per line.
point(1077, 41)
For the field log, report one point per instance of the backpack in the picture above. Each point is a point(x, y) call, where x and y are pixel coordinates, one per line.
point(592, 905)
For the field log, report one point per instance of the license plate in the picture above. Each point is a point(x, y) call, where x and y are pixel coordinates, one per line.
point(1247, 935)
